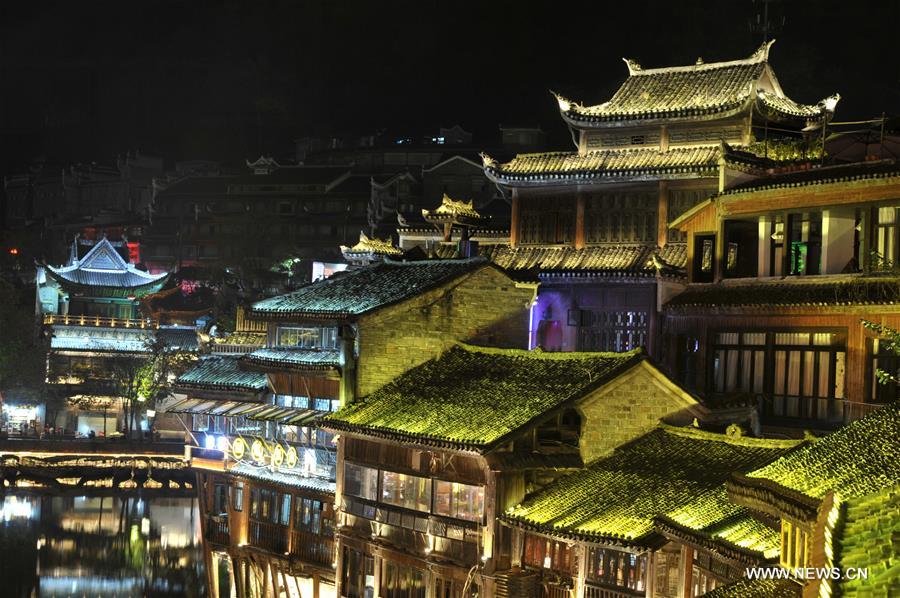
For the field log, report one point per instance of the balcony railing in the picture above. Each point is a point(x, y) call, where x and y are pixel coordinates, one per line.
point(269, 536)
point(100, 321)
point(828, 413)
point(225, 348)
point(595, 591)
point(312, 548)
point(217, 529)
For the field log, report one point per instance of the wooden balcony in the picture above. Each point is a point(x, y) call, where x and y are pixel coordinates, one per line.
point(596, 591)
point(312, 548)
point(268, 536)
point(217, 529)
point(100, 321)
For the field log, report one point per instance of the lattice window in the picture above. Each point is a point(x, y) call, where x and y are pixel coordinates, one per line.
point(603, 330)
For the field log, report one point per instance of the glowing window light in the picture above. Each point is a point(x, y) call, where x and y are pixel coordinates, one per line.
point(15, 508)
point(222, 443)
point(210, 442)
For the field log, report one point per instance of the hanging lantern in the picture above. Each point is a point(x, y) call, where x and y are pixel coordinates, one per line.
point(292, 457)
point(258, 451)
point(278, 456)
point(238, 448)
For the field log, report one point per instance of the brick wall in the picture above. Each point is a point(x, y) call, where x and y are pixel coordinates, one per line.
point(483, 308)
point(629, 406)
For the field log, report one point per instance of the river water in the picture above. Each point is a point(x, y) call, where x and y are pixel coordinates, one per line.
point(93, 545)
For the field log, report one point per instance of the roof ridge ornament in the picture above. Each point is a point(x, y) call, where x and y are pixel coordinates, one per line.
point(762, 53)
point(487, 161)
point(633, 66)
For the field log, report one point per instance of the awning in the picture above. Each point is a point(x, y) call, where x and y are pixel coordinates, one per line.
point(208, 407)
point(287, 415)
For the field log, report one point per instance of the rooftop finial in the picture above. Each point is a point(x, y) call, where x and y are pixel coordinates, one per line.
point(564, 104)
point(699, 60)
point(762, 53)
point(633, 66)
point(487, 161)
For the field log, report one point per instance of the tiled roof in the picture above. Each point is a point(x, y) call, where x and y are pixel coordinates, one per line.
point(179, 338)
point(616, 260)
point(858, 171)
point(613, 164)
point(758, 588)
point(88, 338)
point(858, 459)
point(369, 246)
point(470, 398)
point(102, 271)
point(870, 541)
point(673, 472)
point(355, 292)
point(786, 105)
point(222, 373)
point(794, 292)
point(736, 534)
point(690, 92)
point(284, 478)
point(293, 359)
point(456, 211)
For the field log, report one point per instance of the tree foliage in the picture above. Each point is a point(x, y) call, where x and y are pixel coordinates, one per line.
point(889, 339)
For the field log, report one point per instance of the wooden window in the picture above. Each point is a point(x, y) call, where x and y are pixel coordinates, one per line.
point(460, 501)
point(545, 553)
point(407, 491)
point(887, 238)
point(238, 496)
point(547, 221)
point(361, 481)
point(307, 338)
point(618, 331)
point(703, 266)
point(401, 581)
point(794, 544)
point(616, 568)
point(801, 371)
point(357, 574)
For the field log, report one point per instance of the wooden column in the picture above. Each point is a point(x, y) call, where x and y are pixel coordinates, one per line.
point(719, 258)
point(579, 221)
point(687, 568)
point(662, 215)
point(514, 219)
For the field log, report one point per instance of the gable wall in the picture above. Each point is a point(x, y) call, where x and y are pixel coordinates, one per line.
point(628, 407)
point(483, 308)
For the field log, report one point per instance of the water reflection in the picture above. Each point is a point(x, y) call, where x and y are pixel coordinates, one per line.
point(100, 546)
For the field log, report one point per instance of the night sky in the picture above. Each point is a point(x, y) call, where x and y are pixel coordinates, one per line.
point(87, 80)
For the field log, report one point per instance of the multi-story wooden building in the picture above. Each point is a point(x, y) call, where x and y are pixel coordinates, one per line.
point(268, 511)
point(428, 463)
point(650, 519)
point(782, 271)
point(835, 502)
point(266, 485)
point(665, 141)
point(90, 308)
